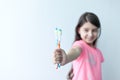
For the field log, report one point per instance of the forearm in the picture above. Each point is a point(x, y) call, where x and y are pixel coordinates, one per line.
point(73, 54)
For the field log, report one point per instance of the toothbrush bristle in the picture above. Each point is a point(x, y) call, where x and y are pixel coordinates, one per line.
point(60, 32)
point(56, 31)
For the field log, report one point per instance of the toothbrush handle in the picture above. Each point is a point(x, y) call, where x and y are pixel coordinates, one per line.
point(58, 65)
point(59, 44)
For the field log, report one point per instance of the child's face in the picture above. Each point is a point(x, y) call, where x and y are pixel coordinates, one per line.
point(88, 33)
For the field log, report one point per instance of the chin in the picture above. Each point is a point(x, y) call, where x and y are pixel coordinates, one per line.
point(90, 42)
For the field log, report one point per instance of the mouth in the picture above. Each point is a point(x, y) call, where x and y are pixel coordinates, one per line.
point(90, 40)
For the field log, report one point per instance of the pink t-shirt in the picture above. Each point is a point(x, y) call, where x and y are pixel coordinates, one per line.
point(88, 65)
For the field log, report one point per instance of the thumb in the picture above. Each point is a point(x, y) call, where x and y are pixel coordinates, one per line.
point(64, 59)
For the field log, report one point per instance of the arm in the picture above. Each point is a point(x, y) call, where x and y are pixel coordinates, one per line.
point(73, 53)
point(60, 55)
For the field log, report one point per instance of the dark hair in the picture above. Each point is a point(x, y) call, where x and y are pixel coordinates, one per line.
point(87, 17)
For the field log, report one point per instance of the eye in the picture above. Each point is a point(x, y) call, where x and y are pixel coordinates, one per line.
point(95, 30)
point(86, 30)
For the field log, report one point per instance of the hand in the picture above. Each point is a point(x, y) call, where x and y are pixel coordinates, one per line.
point(59, 57)
point(70, 74)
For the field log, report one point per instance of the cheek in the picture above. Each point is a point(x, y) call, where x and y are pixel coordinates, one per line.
point(96, 34)
point(82, 35)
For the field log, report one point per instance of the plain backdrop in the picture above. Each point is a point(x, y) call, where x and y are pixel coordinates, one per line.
point(27, 38)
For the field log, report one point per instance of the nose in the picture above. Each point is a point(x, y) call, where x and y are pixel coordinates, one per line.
point(90, 33)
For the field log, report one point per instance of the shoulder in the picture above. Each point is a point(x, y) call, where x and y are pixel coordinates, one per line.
point(98, 50)
point(78, 43)
point(100, 54)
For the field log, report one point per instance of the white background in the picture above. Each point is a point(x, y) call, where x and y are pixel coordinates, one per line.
point(27, 37)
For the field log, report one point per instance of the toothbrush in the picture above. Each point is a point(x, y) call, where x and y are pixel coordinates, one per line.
point(58, 33)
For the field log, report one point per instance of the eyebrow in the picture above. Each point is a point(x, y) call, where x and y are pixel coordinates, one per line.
point(93, 28)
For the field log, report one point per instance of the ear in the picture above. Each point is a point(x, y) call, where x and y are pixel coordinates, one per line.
point(99, 32)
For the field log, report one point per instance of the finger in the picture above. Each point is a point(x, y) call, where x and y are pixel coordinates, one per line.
point(56, 55)
point(58, 59)
point(69, 78)
point(71, 75)
point(58, 50)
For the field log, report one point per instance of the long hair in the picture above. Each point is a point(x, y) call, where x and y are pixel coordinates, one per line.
point(87, 17)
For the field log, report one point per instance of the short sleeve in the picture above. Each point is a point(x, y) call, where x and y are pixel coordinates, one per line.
point(78, 43)
point(101, 56)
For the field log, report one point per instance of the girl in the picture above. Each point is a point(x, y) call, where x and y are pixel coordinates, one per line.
point(84, 54)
